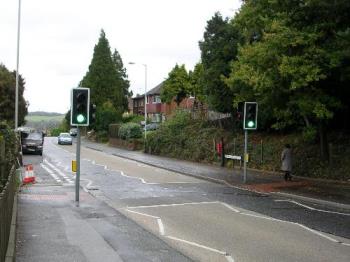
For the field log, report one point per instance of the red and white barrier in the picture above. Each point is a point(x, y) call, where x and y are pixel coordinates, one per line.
point(29, 176)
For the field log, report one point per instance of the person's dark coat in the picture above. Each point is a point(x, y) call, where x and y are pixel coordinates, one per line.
point(286, 158)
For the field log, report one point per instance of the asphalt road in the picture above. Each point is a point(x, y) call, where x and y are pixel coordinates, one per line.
point(203, 220)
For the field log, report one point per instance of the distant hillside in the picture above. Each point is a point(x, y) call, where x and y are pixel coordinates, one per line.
point(42, 113)
point(43, 120)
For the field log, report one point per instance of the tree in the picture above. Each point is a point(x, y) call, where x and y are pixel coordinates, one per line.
point(295, 62)
point(106, 78)
point(177, 86)
point(218, 49)
point(123, 81)
point(197, 82)
point(7, 97)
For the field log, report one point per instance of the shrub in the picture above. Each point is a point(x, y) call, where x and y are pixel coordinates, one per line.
point(133, 119)
point(130, 130)
point(185, 138)
point(106, 115)
point(102, 136)
point(57, 131)
point(11, 148)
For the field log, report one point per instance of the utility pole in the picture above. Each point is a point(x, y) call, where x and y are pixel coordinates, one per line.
point(17, 67)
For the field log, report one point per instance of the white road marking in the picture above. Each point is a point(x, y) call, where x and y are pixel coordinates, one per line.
point(162, 233)
point(51, 173)
point(230, 207)
point(317, 233)
point(311, 208)
point(244, 214)
point(180, 204)
point(59, 172)
point(198, 245)
point(161, 227)
point(142, 214)
point(61, 148)
point(229, 258)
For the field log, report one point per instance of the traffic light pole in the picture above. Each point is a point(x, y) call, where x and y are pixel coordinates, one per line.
point(245, 158)
point(77, 174)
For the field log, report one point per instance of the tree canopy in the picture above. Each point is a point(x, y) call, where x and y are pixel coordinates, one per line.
point(218, 49)
point(106, 76)
point(7, 97)
point(177, 86)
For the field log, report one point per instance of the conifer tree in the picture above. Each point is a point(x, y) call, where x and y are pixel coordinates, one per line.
point(104, 78)
point(107, 78)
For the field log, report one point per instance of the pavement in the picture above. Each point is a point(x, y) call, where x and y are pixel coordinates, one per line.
point(328, 193)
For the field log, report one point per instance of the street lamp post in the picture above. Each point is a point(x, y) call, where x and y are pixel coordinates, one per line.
point(17, 74)
point(132, 63)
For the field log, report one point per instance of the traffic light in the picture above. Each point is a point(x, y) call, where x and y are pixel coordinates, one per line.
point(250, 116)
point(92, 117)
point(80, 106)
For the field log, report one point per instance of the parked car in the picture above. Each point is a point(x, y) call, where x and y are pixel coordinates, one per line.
point(73, 132)
point(152, 126)
point(33, 142)
point(64, 139)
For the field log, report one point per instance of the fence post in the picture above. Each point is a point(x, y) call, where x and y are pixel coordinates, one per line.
point(2, 159)
point(261, 151)
point(330, 154)
point(234, 146)
point(222, 152)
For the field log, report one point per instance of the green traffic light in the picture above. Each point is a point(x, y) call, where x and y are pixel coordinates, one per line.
point(251, 124)
point(80, 118)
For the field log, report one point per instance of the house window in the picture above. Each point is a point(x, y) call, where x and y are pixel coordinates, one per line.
point(156, 100)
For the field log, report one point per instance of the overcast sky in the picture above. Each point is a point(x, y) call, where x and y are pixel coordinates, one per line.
point(58, 37)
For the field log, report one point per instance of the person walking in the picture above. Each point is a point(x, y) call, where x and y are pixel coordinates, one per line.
point(286, 158)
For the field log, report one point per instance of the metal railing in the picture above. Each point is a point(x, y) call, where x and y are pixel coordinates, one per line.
point(6, 204)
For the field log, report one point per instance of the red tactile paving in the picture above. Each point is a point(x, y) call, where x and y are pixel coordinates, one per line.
point(275, 186)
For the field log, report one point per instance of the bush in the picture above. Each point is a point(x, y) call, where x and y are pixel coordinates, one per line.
point(133, 119)
point(130, 130)
point(102, 136)
point(11, 148)
point(105, 116)
point(57, 131)
point(185, 138)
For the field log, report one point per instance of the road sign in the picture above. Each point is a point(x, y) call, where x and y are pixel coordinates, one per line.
point(80, 106)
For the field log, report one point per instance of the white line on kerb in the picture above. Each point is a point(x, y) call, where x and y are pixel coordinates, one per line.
point(311, 208)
